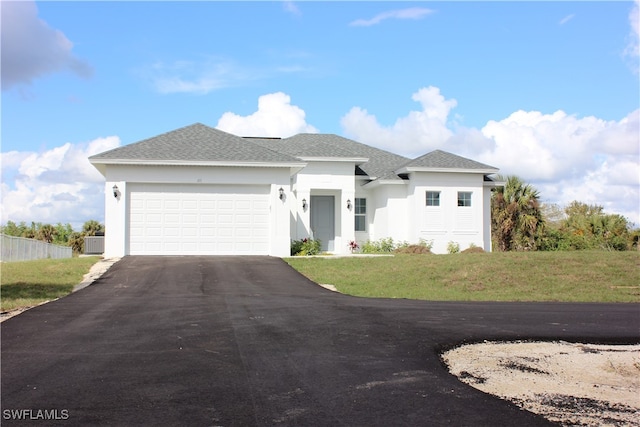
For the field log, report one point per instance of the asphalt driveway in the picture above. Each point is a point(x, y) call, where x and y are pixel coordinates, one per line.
point(247, 341)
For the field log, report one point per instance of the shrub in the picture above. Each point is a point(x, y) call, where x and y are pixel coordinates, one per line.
point(305, 247)
point(387, 245)
point(453, 247)
point(382, 246)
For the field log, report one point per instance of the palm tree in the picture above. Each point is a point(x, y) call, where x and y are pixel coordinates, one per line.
point(516, 216)
point(91, 227)
point(46, 233)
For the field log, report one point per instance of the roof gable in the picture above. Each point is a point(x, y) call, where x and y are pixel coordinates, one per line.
point(194, 143)
point(439, 160)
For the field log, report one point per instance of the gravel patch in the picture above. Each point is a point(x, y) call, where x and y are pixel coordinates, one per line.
point(568, 383)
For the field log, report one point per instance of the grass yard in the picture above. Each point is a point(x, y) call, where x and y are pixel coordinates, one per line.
point(29, 283)
point(579, 276)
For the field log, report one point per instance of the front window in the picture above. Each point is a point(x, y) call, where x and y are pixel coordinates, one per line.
point(360, 210)
point(464, 198)
point(433, 198)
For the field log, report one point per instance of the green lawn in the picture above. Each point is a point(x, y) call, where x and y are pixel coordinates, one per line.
point(29, 283)
point(579, 276)
point(511, 276)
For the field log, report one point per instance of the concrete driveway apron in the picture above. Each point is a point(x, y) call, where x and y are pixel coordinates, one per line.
point(247, 341)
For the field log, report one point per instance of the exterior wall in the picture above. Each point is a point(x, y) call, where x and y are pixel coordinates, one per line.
point(362, 236)
point(325, 178)
point(393, 210)
point(389, 210)
point(486, 218)
point(117, 209)
point(448, 222)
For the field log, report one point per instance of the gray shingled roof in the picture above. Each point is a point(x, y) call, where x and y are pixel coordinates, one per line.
point(200, 143)
point(381, 163)
point(439, 159)
point(195, 143)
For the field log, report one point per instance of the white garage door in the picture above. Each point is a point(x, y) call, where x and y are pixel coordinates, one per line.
point(167, 219)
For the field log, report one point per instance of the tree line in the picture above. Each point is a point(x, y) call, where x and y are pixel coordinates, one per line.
point(519, 222)
point(59, 234)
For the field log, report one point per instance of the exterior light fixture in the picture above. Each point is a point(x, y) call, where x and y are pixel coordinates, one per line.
point(304, 204)
point(281, 191)
point(115, 191)
point(349, 204)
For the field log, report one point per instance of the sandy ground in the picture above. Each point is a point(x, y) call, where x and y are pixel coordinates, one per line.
point(572, 384)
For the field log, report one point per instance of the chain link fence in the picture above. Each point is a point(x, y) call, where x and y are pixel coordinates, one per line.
point(21, 249)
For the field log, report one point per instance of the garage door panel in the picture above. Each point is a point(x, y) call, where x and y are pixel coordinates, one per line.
point(198, 219)
point(225, 232)
point(172, 204)
point(154, 204)
point(225, 205)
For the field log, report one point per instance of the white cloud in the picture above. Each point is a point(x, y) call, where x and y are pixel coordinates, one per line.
point(57, 185)
point(410, 13)
point(417, 133)
point(291, 8)
point(31, 48)
point(276, 117)
point(195, 77)
point(566, 157)
point(566, 19)
point(569, 158)
point(632, 51)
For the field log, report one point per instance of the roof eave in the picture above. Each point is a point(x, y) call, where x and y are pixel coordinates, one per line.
point(409, 169)
point(357, 160)
point(493, 184)
point(254, 164)
point(379, 182)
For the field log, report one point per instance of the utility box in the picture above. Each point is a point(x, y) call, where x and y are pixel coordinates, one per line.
point(94, 245)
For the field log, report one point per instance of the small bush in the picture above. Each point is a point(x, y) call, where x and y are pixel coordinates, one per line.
point(305, 247)
point(453, 247)
point(387, 245)
point(382, 246)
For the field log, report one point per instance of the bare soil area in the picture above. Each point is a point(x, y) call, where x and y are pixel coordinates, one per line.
point(568, 383)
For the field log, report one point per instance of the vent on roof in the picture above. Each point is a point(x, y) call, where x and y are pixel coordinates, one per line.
point(261, 137)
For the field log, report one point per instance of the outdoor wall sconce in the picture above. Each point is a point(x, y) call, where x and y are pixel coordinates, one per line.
point(304, 204)
point(349, 204)
point(281, 191)
point(115, 191)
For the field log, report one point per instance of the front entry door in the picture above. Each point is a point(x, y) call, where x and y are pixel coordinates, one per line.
point(323, 221)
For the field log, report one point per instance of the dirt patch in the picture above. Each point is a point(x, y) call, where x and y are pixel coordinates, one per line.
point(413, 249)
point(572, 384)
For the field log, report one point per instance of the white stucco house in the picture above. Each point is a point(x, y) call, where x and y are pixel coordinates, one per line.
point(199, 190)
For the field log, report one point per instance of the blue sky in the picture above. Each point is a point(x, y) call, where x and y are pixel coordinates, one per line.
point(545, 90)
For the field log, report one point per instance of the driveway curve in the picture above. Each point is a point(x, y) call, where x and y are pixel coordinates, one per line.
point(247, 341)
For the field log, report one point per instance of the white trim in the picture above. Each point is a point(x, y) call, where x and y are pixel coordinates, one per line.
point(101, 164)
point(452, 170)
point(196, 163)
point(356, 160)
point(379, 182)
